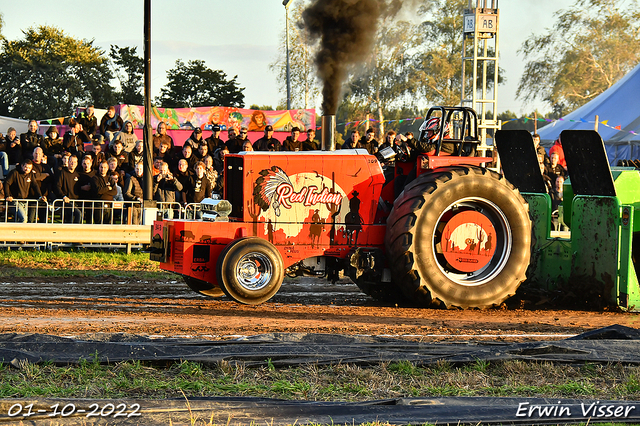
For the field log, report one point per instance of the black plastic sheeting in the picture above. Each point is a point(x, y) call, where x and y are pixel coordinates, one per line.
point(611, 344)
point(236, 410)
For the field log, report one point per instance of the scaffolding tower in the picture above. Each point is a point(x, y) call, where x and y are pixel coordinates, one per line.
point(480, 65)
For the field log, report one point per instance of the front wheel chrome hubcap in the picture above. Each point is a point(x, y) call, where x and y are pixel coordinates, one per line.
point(254, 271)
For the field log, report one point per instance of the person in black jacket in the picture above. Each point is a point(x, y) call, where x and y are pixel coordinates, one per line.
point(134, 157)
point(183, 174)
point(353, 142)
point(67, 188)
point(103, 187)
point(13, 146)
point(218, 159)
point(30, 140)
point(311, 144)
point(117, 152)
point(292, 143)
point(21, 185)
point(267, 142)
point(86, 176)
point(235, 144)
point(214, 142)
point(74, 140)
point(89, 121)
point(52, 144)
point(369, 141)
point(199, 187)
point(133, 192)
point(187, 154)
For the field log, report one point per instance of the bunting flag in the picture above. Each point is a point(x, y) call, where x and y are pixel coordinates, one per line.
point(525, 118)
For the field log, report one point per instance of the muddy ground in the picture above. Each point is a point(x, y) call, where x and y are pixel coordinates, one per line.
point(170, 308)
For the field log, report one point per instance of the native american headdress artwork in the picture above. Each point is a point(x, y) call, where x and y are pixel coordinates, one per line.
point(264, 193)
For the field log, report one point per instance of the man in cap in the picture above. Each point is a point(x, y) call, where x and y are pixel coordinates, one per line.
point(267, 142)
point(214, 142)
point(195, 139)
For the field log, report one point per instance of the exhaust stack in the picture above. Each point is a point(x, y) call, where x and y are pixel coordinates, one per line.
point(328, 133)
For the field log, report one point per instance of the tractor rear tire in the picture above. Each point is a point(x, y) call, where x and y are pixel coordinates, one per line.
point(432, 220)
point(250, 270)
point(203, 287)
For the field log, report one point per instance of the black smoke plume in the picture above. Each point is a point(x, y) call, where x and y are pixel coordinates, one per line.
point(346, 30)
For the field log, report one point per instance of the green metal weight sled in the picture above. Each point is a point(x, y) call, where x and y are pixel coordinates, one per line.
point(594, 264)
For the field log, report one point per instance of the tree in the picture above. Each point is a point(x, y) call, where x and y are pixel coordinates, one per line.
point(591, 46)
point(261, 107)
point(382, 80)
point(49, 74)
point(437, 67)
point(129, 70)
point(302, 51)
point(436, 76)
point(194, 85)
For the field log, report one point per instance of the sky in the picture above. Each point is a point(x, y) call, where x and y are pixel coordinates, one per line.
point(240, 37)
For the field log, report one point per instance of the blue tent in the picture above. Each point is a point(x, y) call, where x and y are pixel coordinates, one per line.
point(617, 106)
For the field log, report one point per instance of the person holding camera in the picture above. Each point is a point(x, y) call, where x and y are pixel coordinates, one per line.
point(200, 187)
point(165, 188)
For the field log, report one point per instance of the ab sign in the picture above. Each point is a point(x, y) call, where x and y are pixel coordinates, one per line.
point(487, 23)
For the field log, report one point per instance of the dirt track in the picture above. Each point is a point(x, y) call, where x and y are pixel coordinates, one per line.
point(303, 305)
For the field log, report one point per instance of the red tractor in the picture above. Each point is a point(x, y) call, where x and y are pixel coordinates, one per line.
point(456, 235)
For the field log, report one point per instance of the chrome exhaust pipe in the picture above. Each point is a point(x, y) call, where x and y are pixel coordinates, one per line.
point(328, 133)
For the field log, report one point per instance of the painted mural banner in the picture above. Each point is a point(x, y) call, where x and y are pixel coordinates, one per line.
point(225, 117)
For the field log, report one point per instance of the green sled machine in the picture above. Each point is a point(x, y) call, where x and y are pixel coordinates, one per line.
point(594, 263)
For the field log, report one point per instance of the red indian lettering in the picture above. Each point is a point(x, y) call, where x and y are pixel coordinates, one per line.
point(307, 196)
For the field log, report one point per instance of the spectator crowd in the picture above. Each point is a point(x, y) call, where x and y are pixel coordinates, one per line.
point(55, 166)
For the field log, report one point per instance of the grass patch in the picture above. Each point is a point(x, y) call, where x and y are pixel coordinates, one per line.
point(34, 264)
point(77, 260)
point(134, 379)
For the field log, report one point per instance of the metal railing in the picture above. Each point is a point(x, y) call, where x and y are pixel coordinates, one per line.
point(171, 210)
point(96, 212)
point(86, 223)
point(193, 211)
point(87, 211)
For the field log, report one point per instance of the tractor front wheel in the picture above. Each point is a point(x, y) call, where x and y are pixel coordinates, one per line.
point(250, 270)
point(459, 236)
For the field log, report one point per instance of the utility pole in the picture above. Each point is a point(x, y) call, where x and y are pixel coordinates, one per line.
point(286, 4)
point(148, 132)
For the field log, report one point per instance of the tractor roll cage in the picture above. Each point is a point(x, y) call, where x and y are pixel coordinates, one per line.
point(463, 124)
